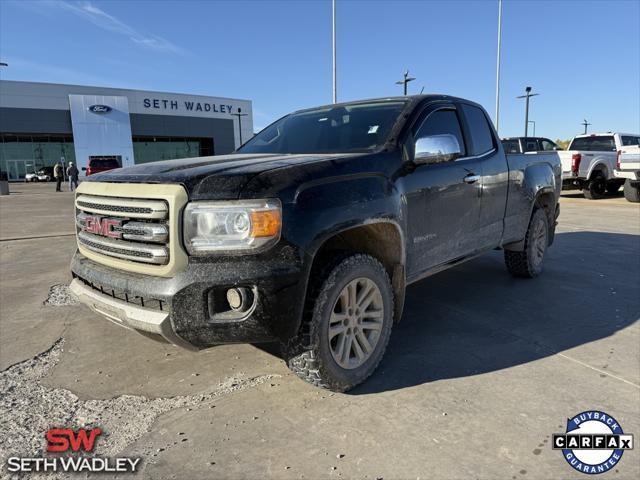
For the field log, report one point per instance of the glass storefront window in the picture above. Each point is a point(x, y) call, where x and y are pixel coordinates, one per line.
point(21, 154)
point(151, 149)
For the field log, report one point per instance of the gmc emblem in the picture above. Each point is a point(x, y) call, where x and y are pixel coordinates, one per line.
point(102, 226)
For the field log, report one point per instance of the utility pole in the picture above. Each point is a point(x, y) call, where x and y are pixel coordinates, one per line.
point(333, 23)
point(527, 96)
point(498, 66)
point(405, 81)
point(585, 124)
point(240, 115)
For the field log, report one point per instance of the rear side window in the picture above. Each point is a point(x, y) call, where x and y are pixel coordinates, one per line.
point(440, 122)
point(531, 145)
point(511, 146)
point(481, 136)
point(628, 140)
point(595, 143)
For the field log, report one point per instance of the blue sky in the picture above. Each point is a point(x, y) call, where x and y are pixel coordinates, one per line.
point(582, 57)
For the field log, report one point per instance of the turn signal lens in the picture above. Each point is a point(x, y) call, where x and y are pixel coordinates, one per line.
point(266, 223)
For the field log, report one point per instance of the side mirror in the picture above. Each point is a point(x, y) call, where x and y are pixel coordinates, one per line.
point(436, 149)
point(557, 148)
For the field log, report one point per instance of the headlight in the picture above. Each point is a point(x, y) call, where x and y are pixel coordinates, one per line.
point(231, 225)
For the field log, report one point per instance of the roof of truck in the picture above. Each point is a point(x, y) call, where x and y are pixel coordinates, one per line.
point(582, 135)
point(406, 99)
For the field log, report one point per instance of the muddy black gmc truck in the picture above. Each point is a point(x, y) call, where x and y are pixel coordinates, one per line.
point(310, 233)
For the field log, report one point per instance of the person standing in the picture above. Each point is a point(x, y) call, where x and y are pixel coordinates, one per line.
point(57, 174)
point(72, 173)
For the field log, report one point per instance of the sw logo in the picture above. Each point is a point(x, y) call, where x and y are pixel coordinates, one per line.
point(593, 443)
point(77, 443)
point(63, 439)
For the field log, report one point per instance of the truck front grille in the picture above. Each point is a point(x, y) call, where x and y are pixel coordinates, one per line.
point(132, 229)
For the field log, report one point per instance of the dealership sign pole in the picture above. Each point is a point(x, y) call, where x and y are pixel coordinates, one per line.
point(333, 23)
point(498, 66)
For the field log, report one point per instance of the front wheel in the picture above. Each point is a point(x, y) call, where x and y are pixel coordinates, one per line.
point(348, 325)
point(528, 263)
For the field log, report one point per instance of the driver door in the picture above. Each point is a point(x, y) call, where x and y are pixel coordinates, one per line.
point(443, 199)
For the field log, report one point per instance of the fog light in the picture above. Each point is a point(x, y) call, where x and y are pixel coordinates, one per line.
point(234, 298)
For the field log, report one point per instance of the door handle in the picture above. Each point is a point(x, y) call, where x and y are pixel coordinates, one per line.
point(471, 178)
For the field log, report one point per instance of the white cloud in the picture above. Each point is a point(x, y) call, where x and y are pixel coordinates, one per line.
point(27, 70)
point(104, 20)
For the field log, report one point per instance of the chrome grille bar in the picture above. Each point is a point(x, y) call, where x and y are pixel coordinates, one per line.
point(138, 231)
point(123, 207)
point(137, 252)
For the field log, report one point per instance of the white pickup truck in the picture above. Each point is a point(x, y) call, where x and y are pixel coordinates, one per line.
point(589, 162)
point(628, 169)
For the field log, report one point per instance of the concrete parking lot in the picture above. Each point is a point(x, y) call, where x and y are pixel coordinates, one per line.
point(479, 374)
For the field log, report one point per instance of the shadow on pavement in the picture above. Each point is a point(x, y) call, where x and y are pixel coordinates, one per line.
point(476, 318)
point(579, 194)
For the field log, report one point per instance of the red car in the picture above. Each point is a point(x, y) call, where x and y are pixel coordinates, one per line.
point(99, 165)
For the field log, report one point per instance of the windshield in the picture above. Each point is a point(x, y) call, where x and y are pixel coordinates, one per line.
point(103, 163)
point(345, 128)
point(594, 143)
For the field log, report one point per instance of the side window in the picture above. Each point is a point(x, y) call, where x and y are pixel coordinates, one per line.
point(439, 122)
point(547, 145)
point(628, 140)
point(481, 137)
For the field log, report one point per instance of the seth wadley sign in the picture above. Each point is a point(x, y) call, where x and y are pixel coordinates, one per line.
point(164, 104)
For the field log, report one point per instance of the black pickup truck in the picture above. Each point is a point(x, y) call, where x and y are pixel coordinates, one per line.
point(309, 234)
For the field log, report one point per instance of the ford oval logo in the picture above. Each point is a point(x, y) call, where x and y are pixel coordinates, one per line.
point(100, 108)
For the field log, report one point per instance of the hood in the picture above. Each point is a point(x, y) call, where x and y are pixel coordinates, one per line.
point(219, 177)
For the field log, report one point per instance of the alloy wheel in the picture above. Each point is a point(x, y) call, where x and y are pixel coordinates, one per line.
point(355, 323)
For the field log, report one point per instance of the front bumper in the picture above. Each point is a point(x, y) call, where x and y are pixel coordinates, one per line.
point(183, 309)
point(140, 319)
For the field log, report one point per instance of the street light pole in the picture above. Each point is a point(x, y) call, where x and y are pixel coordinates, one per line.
point(585, 124)
point(240, 115)
point(527, 96)
point(405, 81)
point(333, 23)
point(534, 127)
point(498, 66)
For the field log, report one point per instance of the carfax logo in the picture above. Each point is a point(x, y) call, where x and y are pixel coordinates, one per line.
point(593, 443)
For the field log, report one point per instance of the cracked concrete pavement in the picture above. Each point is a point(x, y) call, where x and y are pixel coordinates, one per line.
point(480, 373)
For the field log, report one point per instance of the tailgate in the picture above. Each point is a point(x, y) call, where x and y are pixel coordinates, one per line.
point(565, 159)
point(630, 157)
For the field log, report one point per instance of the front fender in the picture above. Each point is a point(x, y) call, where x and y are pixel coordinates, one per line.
point(328, 206)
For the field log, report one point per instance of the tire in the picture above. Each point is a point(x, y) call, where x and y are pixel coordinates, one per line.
point(528, 263)
point(339, 359)
point(613, 187)
point(595, 188)
point(631, 193)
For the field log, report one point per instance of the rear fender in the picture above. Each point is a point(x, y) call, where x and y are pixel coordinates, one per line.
point(599, 166)
point(539, 180)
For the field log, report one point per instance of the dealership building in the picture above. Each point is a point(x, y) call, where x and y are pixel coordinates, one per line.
point(45, 123)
